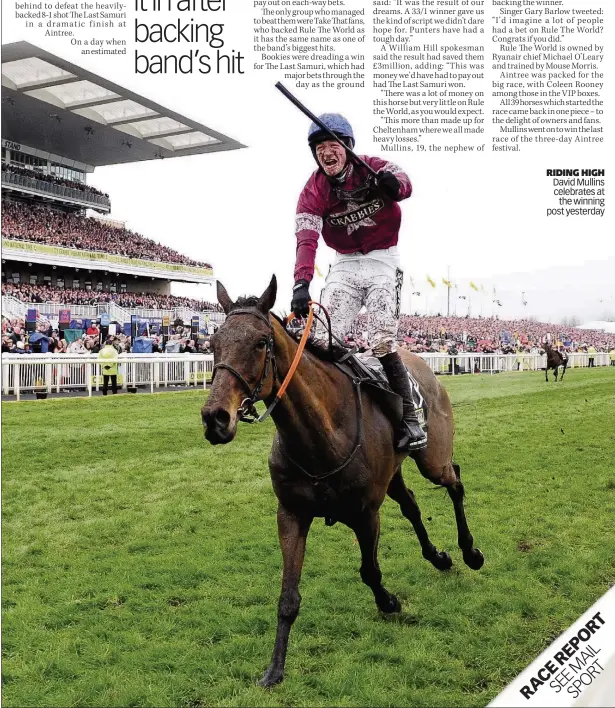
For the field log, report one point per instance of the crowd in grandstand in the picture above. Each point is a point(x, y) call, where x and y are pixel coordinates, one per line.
point(420, 333)
point(35, 173)
point(47, 340)
point(41, 294)
point(56, 228)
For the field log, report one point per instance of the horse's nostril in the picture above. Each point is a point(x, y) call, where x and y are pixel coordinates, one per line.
point(222, 417)
point(218, 418)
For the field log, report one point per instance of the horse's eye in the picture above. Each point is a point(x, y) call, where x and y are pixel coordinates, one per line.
point(262, 342)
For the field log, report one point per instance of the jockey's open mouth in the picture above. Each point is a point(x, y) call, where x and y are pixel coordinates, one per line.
point(331, 157)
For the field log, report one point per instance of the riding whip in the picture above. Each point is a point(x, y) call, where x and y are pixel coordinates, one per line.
point(324, 128)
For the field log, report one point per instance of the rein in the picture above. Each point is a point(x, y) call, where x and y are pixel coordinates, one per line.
point(247, 408)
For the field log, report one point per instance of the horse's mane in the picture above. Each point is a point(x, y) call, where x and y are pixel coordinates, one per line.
point(319, 351)
point(248, 301)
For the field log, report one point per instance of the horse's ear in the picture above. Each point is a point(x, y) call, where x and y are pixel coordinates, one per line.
point(267, 299)
point(223, 298)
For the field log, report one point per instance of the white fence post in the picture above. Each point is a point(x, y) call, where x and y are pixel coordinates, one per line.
point(16, 381)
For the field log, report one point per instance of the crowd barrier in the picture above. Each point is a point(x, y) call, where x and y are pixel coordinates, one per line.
point(44, 373)
point(56, 373)
point(474, 363)
point(42, 186)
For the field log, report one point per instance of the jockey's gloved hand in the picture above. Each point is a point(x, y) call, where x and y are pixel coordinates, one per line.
point(388, 184)
point(300, 304)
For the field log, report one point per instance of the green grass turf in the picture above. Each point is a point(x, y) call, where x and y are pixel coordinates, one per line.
point(141, 566)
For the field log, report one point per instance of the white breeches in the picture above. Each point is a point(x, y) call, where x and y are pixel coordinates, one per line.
point(373, 280)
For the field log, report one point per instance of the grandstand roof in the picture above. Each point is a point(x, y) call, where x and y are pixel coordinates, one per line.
point(604, 325)
point(52, 105)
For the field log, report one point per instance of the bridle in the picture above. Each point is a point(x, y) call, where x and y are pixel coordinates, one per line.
point(247, 409)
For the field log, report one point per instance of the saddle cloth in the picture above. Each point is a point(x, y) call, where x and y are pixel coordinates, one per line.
point(369, 369)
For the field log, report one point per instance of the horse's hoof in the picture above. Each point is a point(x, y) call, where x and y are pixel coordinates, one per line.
point(442, 561)
point(271, 678)
point(473, 559)
point(391, 606)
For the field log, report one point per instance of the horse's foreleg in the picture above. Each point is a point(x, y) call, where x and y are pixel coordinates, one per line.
point(472, 557)
point(556, 370)
point(292, 532)
point(547, 373)
point(367, 530)
point(409, 508)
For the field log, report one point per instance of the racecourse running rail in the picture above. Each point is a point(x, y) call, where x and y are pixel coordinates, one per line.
point(56, 373)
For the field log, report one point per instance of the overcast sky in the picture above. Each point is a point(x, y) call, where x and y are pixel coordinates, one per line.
point(482, 216)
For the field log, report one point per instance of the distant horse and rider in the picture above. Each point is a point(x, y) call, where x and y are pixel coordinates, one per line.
point(334, 453)
point(555, 360)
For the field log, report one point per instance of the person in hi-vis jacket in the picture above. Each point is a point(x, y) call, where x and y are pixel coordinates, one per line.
point(360, 220)
point(108, 357)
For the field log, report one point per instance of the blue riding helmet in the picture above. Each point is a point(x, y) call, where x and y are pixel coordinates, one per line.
point(337, 124)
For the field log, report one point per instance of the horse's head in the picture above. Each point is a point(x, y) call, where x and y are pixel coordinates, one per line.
point(243, 362)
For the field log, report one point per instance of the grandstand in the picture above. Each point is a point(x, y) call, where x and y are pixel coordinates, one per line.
point(61, 250)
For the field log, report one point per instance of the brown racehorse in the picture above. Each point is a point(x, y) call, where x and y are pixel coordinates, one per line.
point(554, 360)
point(346, 468)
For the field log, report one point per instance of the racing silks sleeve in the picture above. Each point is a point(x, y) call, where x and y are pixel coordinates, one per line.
point(380, 165)
point(308, 227)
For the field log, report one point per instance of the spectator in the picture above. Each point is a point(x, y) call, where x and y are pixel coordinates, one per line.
point(108, 358)
point(76, 347)
point(16, 335)
point(39, 343)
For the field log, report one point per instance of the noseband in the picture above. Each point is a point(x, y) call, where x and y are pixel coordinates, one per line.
point(247, 410)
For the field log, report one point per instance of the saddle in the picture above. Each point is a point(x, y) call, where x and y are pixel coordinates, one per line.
point(368, 371)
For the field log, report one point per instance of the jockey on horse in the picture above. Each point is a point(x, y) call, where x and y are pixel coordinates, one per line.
point(360, 219)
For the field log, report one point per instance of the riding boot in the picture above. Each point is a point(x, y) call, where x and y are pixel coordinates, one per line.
point(410, 436)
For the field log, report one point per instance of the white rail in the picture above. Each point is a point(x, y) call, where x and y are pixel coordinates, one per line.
point(474, 363)
point(12, 307)
point(54, 373)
